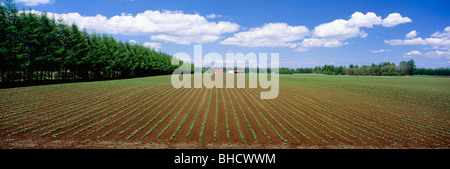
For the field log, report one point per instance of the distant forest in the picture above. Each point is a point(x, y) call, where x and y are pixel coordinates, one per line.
point(34, 47)
point(382, 69)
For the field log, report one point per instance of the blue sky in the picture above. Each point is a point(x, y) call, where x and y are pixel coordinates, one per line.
point(304, 33)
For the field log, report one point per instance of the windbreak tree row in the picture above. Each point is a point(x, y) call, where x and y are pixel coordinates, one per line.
point(35, 47)
point(381, 69)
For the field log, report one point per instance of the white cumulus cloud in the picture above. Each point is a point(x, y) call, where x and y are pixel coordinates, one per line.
point(181, 28)
point(395, 19)
point(437, 40)
point(445, 34)
point(411, 34)
point(345, 29)
point(412, 54)
point(168, 26)
point(315, 42)
point(438, 54)
point(338, 29)
point(358, 19)
point(153, 45)
point(333, 34)
point(269, 35)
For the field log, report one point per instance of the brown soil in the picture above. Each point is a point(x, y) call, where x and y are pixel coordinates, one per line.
point(317, 112)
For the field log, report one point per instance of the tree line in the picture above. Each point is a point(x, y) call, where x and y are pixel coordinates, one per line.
point(35, 47)
point(434, 72)
point(381, 69)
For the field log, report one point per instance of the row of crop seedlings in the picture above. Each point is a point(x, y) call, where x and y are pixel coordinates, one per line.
point(323, 126)
point(179, 112)
point(401, 126)
point(290, 117)
point(186, 116)
point(426, 124)
point(356, 114)
point(304, 127)
point(147, 115)
point(355, 121)
point(206, 115)
point(248, 122)
point(123, 116)
point(300, 124)
point(59, 115)
point(131, 113)
point(324, 121)
point(360, 116)
point(37, 100)
point(292, 126)
point(168, 114)
point(15, 100)
point(215, 120)
point(86, 116)
point(39, 105)
point(347, 123)
point(226, 111)
point(139, 101)
point(286, 121)
point(136, 100)
point(395, 115)
point(276, 121)
point(267, 121)
point(253, 115)
point(364, 125)
point(327, 109)
point(302, 119)
point(345, 114)
point(28, 108)
point(32, 116)
point(422, 125)
point(14, 105)
point(38, 122)
point(339, 129)
point(139, 114)
point(90, 120)
point(19, 119)
point(226, 114)
point(312, 125)
point(236, 119)
point(217, 112)
point(151, 97)
point(433, 129)
point(154, 117)
point(196, 115)
point(70, 117)
point(389, 99)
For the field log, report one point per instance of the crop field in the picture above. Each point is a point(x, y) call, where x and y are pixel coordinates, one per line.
point(311, 111)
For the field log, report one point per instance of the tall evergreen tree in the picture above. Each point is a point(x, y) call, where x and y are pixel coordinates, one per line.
point(411, 67)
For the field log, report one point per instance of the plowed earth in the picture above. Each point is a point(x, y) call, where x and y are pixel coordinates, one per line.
point(310, 112)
